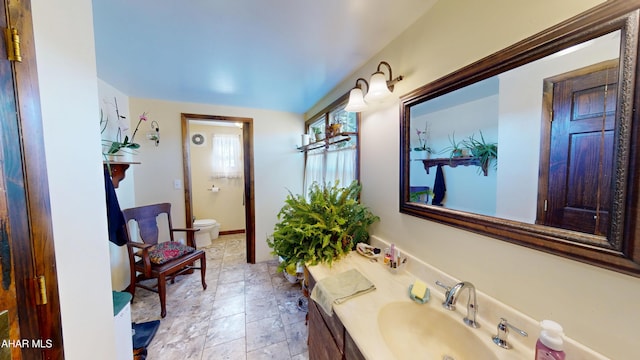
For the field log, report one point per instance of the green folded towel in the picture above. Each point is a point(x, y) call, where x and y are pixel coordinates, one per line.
point(340, 288)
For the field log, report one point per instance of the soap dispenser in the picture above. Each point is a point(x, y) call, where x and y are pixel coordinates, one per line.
point(549, 345)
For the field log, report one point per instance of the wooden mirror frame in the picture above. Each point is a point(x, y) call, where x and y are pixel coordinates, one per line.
point(621, 250)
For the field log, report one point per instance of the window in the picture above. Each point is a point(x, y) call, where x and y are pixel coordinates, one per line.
point(227, 156)
point(337, 156)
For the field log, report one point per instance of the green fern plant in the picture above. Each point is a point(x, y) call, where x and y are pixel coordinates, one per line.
point(322, 227)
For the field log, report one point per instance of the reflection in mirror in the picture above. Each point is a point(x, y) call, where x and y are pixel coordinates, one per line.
point(508, 110)
point(536, 144)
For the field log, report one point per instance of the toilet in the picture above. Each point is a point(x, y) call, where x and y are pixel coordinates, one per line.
point(209, 230)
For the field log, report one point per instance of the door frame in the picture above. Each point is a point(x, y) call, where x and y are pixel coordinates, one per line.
point(247, 148)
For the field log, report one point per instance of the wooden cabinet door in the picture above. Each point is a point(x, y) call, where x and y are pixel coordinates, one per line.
point(351, 351)
point(321, 344)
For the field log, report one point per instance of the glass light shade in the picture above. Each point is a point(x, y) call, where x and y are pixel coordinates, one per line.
point(378, 89)
point(356, 101)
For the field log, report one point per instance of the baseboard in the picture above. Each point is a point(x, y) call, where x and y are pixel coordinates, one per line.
point(231, 232)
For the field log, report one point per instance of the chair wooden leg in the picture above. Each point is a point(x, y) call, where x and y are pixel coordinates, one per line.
point(131, 289)
point(139, 354)
point(203, 270)
point(162, 287)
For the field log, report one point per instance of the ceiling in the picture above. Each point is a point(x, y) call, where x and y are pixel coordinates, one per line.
point(269, 54)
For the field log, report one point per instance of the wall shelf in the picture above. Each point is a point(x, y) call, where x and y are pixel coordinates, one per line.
point(117, 170)
point(455, 161)
point(332, 140)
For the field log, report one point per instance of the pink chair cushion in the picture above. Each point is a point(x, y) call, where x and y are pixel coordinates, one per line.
point(168, 250)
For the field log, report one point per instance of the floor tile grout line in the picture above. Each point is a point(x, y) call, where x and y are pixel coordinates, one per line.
point(204, 344)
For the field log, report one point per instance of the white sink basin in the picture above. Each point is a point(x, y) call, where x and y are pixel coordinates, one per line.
point(415, 331)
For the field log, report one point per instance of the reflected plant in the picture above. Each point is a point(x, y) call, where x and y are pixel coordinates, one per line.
point(455, 147)
point(481, 150)
point(423, 140)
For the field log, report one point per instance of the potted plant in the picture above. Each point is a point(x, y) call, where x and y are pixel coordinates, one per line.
point(322, 227)
point(423, 140)
point(421, 196)
point(319, 135)
point(334, 129)
point(456, 147)
point(116, 147)
point(481, 150)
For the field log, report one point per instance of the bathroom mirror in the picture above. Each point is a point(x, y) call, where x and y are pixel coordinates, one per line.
point(548, 130)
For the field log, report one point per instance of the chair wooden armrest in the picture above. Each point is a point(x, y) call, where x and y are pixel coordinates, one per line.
point(190, 235)
point(144, 254)
point(138, 245)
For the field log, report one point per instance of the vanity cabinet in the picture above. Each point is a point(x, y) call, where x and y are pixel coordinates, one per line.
point(328, 338)
point(323, 344)
point(351, 350)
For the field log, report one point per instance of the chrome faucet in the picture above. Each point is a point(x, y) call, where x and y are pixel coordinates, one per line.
point(451, 297)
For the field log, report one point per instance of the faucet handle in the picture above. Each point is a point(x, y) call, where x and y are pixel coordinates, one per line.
point(503, 331)
point(446, 294)
point(448, 288)
point(449, 301)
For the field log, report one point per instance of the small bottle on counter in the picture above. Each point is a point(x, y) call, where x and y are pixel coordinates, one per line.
point(550, 343)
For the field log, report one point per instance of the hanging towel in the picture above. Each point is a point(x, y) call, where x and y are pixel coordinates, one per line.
point(115, 219)
point(340, 288)
point(439, 188)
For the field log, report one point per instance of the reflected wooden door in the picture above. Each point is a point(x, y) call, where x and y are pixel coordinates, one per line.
point(575, 187)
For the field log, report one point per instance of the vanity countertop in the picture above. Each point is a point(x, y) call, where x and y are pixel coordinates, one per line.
point(359, 315)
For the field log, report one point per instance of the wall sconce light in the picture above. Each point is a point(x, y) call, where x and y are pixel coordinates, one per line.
point(356, 98)
point(378, 88)
point(154, 134)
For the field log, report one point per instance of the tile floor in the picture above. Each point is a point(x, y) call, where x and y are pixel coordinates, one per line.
point(247, 312)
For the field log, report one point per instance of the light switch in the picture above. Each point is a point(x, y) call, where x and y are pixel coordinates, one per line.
point(177, 184)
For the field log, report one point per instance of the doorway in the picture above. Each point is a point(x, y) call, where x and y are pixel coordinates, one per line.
point(577, 150)
point(247, 167)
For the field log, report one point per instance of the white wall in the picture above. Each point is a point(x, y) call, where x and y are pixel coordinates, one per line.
point(108, 98)
point(67, 78)
point(278, 166)
point(597, 307)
